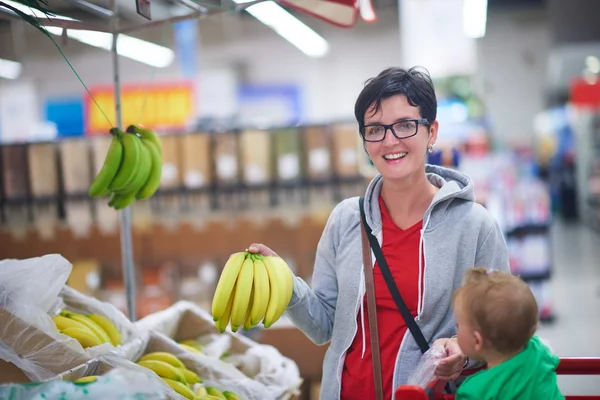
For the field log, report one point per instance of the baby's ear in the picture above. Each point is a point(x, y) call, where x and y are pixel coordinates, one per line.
point(479, 341)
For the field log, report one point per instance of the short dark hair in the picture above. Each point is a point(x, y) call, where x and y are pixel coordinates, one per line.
point(414, 84)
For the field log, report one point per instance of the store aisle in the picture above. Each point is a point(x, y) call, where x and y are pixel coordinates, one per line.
point(575, 293)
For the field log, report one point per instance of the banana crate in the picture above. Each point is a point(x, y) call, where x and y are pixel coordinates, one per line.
point(259, 369)
point(46, 327)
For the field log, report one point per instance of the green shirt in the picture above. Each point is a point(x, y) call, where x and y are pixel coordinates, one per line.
point(528, 375)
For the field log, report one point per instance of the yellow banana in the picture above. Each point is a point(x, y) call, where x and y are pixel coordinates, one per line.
point(190, 376)
point(163, 370)
point(200, 390)
point(91, 325)
point(180, 388)
point(147, 134)
point(108, 327)
point(260, 300)
point(164, 357)
point(247, 322)
point(192, 343)
point(62, 322)
point(213, 391)
point(243, 290)
point(277, 292)
point(153, 181)
point(112, 163)
point(231, 396)
point(86, 379)
point(222, 322)
point(129, 167)
point(190, 348)
point(85, 337)
point(226, 284)
point(288, 279)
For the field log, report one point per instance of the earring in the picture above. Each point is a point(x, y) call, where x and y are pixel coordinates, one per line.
point(431, 146)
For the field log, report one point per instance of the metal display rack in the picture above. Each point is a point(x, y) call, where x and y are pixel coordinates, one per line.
point(198, 11)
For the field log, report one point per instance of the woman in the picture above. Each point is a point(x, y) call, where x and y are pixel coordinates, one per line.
point(430, 230)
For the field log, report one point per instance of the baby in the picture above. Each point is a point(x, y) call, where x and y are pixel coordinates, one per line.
point(497, 316)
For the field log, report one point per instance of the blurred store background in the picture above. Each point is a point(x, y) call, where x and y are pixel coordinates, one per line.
point(260, 143)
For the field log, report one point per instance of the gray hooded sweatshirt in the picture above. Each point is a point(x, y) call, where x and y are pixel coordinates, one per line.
point(457, 234)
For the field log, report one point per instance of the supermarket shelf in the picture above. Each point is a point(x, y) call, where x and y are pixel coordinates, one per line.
point(529, 229)
point(535, 277)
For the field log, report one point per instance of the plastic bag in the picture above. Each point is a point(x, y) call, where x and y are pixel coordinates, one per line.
point(425, 371)
point(31, 291)
point(117, 384)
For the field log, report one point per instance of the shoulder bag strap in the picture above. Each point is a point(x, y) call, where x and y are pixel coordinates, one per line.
point(372, 315)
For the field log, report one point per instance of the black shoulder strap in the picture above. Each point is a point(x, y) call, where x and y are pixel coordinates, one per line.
point(389, 280)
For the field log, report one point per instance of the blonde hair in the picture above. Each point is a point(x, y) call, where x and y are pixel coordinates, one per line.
point(500, 306)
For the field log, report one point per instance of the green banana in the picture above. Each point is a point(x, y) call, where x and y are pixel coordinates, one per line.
point(125, 197)
point(129, 167)
point(213, 391)
point(147, 134)
point(153, 182)
point(110, 168)
point(231, 396)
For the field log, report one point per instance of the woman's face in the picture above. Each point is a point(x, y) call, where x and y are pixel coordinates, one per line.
point(399, 159)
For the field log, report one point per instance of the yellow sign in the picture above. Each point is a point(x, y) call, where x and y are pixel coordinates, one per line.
point(169, 106)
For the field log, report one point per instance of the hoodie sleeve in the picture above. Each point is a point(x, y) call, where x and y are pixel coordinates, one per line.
point(492, 251)
point(312, 310)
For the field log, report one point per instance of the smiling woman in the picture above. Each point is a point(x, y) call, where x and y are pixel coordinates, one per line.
point(425, 230)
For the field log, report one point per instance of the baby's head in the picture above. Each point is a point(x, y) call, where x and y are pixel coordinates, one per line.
point(496, 314)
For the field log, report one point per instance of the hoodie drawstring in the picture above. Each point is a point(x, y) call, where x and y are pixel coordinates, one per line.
point(421, 268)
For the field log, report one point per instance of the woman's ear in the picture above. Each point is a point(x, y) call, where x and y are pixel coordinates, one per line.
point(433, 131)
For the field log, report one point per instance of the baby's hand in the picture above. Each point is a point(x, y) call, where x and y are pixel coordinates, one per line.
point(451, 366)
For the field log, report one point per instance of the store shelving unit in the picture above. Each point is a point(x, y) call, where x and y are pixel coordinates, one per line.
point(197, 10)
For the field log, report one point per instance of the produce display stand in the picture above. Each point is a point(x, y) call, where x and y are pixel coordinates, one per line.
point(589, 366)
point(198, 10)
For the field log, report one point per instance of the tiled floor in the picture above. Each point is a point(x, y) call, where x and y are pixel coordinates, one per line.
point(575, 291)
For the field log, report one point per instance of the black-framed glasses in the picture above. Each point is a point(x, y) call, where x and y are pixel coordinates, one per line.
point(401, 129)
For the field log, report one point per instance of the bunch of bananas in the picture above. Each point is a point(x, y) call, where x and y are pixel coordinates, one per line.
point(89, 330)
point(252, 288)
point(171, 370)
point(132, 169)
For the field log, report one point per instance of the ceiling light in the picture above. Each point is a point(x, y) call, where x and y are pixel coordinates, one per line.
point(474, 18)
point(290, 28)
point(127, 46)
point(10, 69)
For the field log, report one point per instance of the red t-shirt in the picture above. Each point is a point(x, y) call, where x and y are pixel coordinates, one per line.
point(401, 251)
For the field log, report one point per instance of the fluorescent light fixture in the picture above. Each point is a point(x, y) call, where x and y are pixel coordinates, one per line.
point(10, 69)
point(474, 18)
point(290, 28)
point(127, 46)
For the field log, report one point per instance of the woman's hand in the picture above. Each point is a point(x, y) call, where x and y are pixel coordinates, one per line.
point(452, 365)
point(261, 249)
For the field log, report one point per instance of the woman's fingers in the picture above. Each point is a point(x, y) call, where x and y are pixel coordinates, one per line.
point(259, 248)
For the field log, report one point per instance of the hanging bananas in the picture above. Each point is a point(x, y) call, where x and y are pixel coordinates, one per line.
point(252, 288)
point(132, 169)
